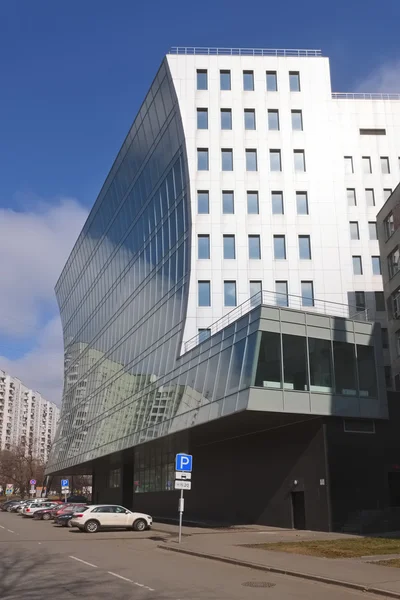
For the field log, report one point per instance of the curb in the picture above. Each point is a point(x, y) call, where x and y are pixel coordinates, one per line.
point(318, 578)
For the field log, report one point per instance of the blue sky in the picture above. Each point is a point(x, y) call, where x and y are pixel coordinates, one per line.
point(73, 75)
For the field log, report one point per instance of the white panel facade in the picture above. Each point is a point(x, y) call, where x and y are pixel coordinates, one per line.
point(331, 131)
point(26, 418)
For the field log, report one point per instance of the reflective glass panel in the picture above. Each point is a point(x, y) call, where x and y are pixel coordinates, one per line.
point(294, 363)
point(269, 373)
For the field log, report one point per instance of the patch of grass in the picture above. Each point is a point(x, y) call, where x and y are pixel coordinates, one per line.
point(339, 548)
point(393, 562)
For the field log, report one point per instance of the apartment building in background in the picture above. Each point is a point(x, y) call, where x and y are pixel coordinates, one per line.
point(225, 296)
point(388, 221)
point(26, 418)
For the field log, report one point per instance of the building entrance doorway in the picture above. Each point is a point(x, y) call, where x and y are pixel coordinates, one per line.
point(298, 510)
point(394, 488)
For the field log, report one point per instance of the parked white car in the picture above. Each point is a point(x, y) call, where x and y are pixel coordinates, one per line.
point(110, 516)
point(30, 509)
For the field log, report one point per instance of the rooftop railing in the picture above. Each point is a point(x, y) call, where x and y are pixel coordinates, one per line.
point(267, 298)
point(364, 96)
point(243, 51)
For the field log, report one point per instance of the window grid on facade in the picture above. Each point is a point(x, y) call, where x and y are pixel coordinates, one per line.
point(351, 197)
point(230, 293)
point(386, 193)
point(273, 120)
point(228, 203)
point(379, 301)
point(373, 233)
point(226, 118)
point(249, 118)
point(376, 265)
point(272, 83)
point(299, 161)
point(348, 165)
point(275, 160)
point(255, 289)
point(281, 293)
point(227, 159)
point(229, 247)
point(203, 334)
point(360, 300)
point(252, 203)
point(370, 197)
point(357, 265)
point(202, 118)
point(385, 337)
point(202, 159)
point(393, 261)
point(204, 293)
point(385, 165)
point(294, 81)
point(307, 293)
point(302, 203)
point(203, 246)
point(304, 247)
point(366, 163)
point(248, 81)
point(254, 247)
point(203, 203)
point(389, 226)
point(279, 247)
point(297, 120)
point(202, 79)
point(354, 230)
point(277, 203)
point(225, 80)
point(251, 159)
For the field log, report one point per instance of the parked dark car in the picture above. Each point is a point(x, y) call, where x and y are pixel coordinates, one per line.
point(77, 499)
point(9, 504)
point(44, 514)
point(65, 519)
point(66, 508)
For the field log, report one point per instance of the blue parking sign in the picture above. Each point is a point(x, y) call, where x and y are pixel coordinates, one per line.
point(64, 482)
point(183, 462)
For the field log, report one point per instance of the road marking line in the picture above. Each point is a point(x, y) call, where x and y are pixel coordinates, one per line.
point(10, 530)
point(2, 527)
point(120, 576)
point(82, 561)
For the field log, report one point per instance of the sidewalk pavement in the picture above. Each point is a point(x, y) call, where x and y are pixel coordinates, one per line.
point(227, 546)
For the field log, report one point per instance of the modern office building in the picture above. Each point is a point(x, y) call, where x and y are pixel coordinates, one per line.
point(222, 296)
point(388, 223)
point(26, 418)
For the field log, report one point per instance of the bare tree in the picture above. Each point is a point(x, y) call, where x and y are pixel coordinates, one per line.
point(18, 466)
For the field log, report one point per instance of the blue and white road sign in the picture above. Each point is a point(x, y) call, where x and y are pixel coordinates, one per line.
point(183, 462)
point(64, 482)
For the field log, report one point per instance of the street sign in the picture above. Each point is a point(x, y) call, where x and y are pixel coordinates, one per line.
point(182, 475)
point(64, 483)
point(33, 482)
point(183, 462)
point(183, 485)
point(9, 489)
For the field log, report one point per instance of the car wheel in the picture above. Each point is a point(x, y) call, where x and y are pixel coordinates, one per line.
point(8, 509)
point(46, 517)
point(91, 526)
point(139, 525)
point(69, 524)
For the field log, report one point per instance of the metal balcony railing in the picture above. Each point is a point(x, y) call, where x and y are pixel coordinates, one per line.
point(267, 298)
point(364, 96)
point(243, 51)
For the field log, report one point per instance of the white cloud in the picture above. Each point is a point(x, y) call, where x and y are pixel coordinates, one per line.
point(34, 246)
point(385, 78)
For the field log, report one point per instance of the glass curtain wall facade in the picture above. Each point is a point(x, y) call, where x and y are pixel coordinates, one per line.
point(122, 294)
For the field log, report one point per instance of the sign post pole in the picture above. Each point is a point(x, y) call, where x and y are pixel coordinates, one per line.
point(183, 476)
point(181, 508)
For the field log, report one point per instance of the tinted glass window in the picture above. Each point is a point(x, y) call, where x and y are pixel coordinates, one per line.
point(376, 265)
point(345, 369)
point(251, 160)
point(254, 247)
point(202, 159)
point(366, 370)
point(307, 293)
point(279, 247)
point(268, 373)
point(226, 118)
point(203, 203)
point(228, 203)
point(227, 160)
point(297, 120)
point(294, 363)
point(230, 293)
point(272, 85)
point(202, 81)
point(203, 246)
point(204, 293)
point(304, 247)
point(275, 160)
point(225, 80)
point(273, 120)
point(248, 80)
point(277, 203)
point(252, 203)
point(319, 352)
point(202, 118)
point(281, 293)
point(302, 203)
point(294, 80)
point(249, 118)
point(229, 247)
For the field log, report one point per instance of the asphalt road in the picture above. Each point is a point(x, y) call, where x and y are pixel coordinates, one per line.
point(41, 561)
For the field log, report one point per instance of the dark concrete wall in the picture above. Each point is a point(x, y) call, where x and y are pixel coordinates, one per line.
point(249, 479)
